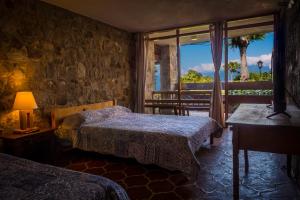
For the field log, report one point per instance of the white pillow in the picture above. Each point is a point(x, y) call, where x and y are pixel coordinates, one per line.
point(73, 121)
point(76, 120)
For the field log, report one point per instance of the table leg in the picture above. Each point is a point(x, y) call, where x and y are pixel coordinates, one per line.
point(235, 157)
point(246, 161)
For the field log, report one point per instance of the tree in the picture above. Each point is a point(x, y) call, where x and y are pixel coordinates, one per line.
point(242, 43)
point(233, 68)
point(192, 76)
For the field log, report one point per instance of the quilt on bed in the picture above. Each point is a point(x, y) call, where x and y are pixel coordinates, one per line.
point(165, 140)
point(25, 179)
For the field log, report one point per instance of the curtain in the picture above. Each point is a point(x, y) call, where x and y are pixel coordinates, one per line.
point(141, 62)
point(216, 38)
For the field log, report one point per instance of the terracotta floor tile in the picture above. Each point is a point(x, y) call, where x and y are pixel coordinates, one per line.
point(157, 175)
point(134, 170)
point(161, 186)
point(165, 196)
point(96, 170)
point(115, 167)
point(77, 167)
point(96, 163)
point(179, 179)
point(121, 183)
point(139, 193)
point(267, 177)
point(136, 180)
point(114, 175)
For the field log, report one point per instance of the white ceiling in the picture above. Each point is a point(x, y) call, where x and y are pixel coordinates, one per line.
point(152, 15)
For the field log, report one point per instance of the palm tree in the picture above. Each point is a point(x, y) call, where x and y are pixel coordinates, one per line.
point(233, 67)
point(242, 43)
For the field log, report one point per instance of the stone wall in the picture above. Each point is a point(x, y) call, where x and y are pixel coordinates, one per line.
point(293, 51)
point(63, 58)
point(150, 71)
point(168, 67)
point(293, 68)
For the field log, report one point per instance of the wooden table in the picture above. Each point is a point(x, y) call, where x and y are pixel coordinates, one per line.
point(253, 131)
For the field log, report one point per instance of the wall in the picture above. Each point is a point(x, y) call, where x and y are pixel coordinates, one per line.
point(150, 70)
point(293, 68)
point(293, 51)
point(168, 67)
point(64, 58)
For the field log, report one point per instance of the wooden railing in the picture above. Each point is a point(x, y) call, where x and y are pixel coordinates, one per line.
point(190, 100)
point(185, 94)
point(238, 92)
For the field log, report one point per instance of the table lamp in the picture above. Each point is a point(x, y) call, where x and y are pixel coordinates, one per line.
point(25, 103)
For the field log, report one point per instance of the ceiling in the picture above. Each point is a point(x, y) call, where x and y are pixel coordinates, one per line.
point(168, 37)
point(152, 15)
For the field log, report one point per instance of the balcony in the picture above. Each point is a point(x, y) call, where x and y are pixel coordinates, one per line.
point(196, 97)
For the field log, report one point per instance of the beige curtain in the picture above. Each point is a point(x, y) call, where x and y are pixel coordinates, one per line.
point(216, 38)
point(141, 63)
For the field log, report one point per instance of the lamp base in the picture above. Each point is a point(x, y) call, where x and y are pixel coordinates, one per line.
point(26, 119)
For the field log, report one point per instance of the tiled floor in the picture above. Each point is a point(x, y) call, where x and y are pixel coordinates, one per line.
point(266, 180)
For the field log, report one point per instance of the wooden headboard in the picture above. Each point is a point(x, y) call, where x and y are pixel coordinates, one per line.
point(58, 114)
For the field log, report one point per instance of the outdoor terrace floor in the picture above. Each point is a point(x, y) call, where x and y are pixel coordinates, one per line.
point(267, 177)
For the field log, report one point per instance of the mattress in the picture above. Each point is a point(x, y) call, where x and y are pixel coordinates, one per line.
point(25, 179)
point(165, 140)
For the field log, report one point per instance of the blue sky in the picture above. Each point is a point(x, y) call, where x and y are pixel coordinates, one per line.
point(198, 56)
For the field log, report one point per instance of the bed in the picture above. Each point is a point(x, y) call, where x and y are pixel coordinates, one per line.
point(164, 140)
point(25, 179)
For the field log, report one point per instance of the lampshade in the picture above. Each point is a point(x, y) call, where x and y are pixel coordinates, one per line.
point(24, 101)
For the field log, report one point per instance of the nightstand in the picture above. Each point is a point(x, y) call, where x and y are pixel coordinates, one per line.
point(37, 146)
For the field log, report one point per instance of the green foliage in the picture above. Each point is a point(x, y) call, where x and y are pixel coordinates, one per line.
point(255, 76)
point(195, 77)
point(251, 92)
point(244, 41)
point(234, 66)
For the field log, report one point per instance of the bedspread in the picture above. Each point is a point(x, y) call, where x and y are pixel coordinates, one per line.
point(25, 179)
point(165, 140)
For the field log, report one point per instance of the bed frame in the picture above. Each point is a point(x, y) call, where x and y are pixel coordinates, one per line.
point(58, 114)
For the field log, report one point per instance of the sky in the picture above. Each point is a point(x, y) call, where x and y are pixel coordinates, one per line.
point(198, 56)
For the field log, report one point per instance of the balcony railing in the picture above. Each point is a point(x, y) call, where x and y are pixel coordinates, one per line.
point(250, 92)
point(197, 96)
